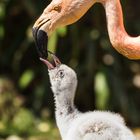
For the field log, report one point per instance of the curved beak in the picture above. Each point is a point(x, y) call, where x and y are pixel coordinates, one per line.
point(56, 62)
point(57, 14)
point(41, 39)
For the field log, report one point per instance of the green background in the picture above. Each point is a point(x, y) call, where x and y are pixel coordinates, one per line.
point(107, 80)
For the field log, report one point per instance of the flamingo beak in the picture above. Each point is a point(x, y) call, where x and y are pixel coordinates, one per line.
point(56, 62)
point(41, 41)
point(41, 38)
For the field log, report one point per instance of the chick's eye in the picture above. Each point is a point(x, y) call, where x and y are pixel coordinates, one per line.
point(61, 74)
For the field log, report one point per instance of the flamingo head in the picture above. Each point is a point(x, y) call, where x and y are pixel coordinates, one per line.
point(62, 77)
point(57, 14)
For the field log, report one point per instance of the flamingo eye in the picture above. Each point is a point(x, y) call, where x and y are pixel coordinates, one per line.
point(61, 74)
point(57, 8)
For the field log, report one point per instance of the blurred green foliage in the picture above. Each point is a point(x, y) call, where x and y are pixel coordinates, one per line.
point(107, 80)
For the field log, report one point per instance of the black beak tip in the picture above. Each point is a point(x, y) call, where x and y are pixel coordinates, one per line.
point(41, 41)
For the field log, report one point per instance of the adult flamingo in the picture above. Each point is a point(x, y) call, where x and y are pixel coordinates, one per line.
point(64, 12)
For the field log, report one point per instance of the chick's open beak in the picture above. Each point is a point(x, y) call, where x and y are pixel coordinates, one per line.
point(41, 39)
point(46, 62)
point(56, 62)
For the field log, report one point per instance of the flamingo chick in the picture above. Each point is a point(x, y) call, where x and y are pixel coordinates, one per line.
point(74, 125)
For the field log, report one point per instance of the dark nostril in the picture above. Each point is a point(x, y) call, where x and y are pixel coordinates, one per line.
point(41, 41)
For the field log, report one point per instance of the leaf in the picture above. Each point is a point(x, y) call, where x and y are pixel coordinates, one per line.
point(26, 78)
point(101, 90)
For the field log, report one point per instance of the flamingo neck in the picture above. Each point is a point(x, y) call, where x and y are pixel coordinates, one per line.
point(65, 110)
point(64, 104)
point(114, 17)
point(121, 41)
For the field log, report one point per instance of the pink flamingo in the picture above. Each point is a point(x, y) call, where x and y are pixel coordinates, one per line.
point(64, 12)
